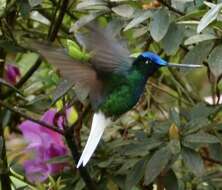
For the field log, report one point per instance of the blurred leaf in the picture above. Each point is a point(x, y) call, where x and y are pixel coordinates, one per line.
point(209, 17)
point(1, 145)
point(123, 10)
point(60, 160)
point(135, 174)
point(72, 116)
point(160, 24)
point(156, 164)
point(192, 14)
point(195, 125)
point(140, 31)
point(201, 111)
point(199, 38)
point(62, 88)
point(80, 184)
point(39, 104)
point(193, 161)
point(24, 7)
point(5, 83)
point(215, 151)
point(84, 20)
point(140, 149)
point(199, 53)
point(142, 16)
point(34, 3)
point(75, 51)
point(201, 137)
point(111, 185)
point(170, 181)
point(92, 5)
point(174, 146)
point(215, 61)
point(10, 46)
point(173, 38)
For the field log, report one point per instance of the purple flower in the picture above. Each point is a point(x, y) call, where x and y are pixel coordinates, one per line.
point(12, 73)
point(45, 144)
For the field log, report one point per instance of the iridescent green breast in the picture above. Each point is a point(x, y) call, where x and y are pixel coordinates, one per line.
point(123, 93)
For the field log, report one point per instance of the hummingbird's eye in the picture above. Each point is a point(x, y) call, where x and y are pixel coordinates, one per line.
point(147, 61)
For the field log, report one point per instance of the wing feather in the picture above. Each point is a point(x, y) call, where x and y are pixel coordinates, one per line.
point(81, 74)
point(108, 54)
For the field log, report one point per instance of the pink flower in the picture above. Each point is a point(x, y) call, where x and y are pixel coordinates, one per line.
point(45, 144)
point(12, 73)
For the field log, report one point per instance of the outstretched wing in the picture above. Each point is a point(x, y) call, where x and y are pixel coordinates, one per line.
point(108, 54)
point(81, 74)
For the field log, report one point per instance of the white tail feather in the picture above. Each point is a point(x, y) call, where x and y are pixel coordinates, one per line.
point(99, 123)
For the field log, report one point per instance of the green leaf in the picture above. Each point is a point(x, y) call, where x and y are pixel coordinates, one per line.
point(173, 38)
point(209, 17)
point(160, 24)
point(193, 161)
point(138, 19)
point(174, 146)
point(201, 137)
point(195, 125)
point(75, 51)
point(215, 61)
point(199, 38)
point(123, 10)
point(199, 53)
point(92, 5)
point(201, 111)
point(135, 174)
point(156, 164)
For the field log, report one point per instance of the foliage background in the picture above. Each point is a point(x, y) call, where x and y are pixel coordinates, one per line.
point(171, 139)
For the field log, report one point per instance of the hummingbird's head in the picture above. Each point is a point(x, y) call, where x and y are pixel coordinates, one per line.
point(156, 61)
point(152, 58)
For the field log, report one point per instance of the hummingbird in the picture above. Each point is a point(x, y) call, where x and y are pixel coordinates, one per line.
point(114, 80)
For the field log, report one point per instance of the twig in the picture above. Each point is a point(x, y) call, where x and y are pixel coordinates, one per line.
point(67, 11)
point(171, 8)
point(70, 139)
point(56, 26)
point(4, 175)
point(211, 160)
point(69, 136)
point(42, 123)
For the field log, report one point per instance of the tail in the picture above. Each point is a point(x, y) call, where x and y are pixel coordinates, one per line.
point(99, 123)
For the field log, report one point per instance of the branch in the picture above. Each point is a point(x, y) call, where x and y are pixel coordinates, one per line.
point(163, 2)
point(211, 160)
point(5, 182)
point(67, 11)
point(42, 123)
point(71, 142)
point(55, 26)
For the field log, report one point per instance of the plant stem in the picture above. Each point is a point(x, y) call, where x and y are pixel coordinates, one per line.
point(55, 26)
point(41, 123)
point(69, 136)
point(4, 174)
